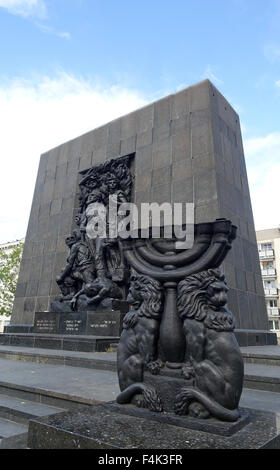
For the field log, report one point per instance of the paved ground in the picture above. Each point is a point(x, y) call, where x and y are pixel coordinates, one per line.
point(103, 385)
point(74, 381)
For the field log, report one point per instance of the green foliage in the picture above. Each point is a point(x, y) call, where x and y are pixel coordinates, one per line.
point(9, 269)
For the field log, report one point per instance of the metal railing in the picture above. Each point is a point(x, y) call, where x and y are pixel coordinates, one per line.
point(266, 253)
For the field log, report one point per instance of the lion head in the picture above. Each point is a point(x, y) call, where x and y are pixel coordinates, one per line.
point(147, 294)
point(203, 297)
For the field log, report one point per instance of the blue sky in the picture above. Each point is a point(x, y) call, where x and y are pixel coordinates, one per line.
point(67, 66)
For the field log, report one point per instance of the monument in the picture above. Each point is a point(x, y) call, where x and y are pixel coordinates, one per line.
point(186, 147)
point(178, 313)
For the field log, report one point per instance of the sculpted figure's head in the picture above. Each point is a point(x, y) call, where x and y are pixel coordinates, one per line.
point(92, 182)
point(94, 196)
point(217, 294)
point(146, 293)
point(70, 240)
point(111, 182)
point(78, 219)
point(203, 297)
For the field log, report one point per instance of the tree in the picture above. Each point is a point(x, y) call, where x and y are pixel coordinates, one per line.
point(9, 269)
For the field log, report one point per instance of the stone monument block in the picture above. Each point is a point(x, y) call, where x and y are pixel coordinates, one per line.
point(186, 147)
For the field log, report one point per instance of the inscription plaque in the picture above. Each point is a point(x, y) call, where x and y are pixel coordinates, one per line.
point(79, 323)
point(73, 323)
point(101, 325)
point(46, 322)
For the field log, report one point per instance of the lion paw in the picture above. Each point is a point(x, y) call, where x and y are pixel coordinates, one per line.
point(154, 367)
point(197, 410)
point(188, 372)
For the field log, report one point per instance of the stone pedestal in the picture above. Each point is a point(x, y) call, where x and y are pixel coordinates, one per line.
point(106, 427)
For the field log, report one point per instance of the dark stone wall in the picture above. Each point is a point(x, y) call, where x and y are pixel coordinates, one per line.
point(188, 148)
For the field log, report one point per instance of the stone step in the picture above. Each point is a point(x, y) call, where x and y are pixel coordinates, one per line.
point(258, 375)
point(15, 414)
point(21, 411)
point(90, 360)
point(10, 428)
point(260, 400)
point(262, 377)
point(266, 355)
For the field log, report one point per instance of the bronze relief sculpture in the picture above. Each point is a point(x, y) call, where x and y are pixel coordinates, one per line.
point(95, 269)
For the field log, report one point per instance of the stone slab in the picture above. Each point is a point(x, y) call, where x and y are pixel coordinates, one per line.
point(105, 325)
point(99, 323)
point(69, 342)
point(46, 322)
point(101, 428)
point(209, 425)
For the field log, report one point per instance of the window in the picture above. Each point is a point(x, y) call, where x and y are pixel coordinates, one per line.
point(269, 284)
point(266, 246)
point(273, 303)
point(273, 324)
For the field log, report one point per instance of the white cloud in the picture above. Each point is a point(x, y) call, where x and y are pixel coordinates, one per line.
point(263, 167)
point(50, 30)
point(25, 8)
point(35, 117)
point(208, 73)
point(277, 83)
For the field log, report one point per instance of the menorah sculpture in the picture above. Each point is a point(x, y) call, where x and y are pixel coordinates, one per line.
point(177, 351)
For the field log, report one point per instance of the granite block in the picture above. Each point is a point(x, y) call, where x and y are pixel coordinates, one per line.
point(144, 138)
point(161, 193)
point(180, 105)
point(143, 181)
point(200, 96)
point(161, 175)
point(181, 170)
point(183, 191)
point(128, 125)
point(145, 118)
point(181, 146)
point(162, 111)
point(161, 153)
point(101, 428)
point(161, 132)
point(21, 289)
point(128, 145)
point(180, 125)
point(143, 159)
point(205, 188)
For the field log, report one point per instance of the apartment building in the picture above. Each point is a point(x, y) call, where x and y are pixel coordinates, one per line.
point(269, 253)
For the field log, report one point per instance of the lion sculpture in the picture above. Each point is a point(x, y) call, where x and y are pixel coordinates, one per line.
point(214, 364)
point(137, 349)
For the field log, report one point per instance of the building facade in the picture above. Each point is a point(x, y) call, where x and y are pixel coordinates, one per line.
point(269, 253)
point(7, 248)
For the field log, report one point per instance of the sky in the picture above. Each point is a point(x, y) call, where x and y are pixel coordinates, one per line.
point(68, 66)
